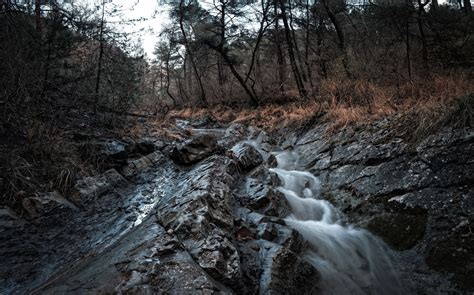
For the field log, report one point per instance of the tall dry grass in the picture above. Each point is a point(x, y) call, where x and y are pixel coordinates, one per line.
point(425, 104)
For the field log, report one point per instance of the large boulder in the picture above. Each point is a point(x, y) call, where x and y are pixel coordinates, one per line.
point(246, 156)
point(194, 150)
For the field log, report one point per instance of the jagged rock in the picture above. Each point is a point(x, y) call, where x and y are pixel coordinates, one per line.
point(246, 156)
point(264, 199)
point(282, 272)
point(139, 165)
point(399, 189)
point(452, 253)
point(200, 214)
point(90, 188)
point(194, 150)
point(46, 204)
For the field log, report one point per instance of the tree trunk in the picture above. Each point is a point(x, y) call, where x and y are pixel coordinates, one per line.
point(340, 36)
point(280, 57)
point(467, 6)
point(168, 80)
point(101, 54)
point(408, 48)
point(228, 61)
point(190, 54)
point(38, 15)
point(291, 54)
point(421, 10)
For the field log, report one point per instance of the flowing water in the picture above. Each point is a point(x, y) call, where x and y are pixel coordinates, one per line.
point(350, 260)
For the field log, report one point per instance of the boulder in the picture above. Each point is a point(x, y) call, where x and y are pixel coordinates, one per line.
point(264, 199)
point(401, 231)
point(246, 156)
point(194, 150)
point(139, 165)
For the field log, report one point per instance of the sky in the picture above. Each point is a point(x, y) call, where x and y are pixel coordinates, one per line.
point(147, 31)
point(156, 18)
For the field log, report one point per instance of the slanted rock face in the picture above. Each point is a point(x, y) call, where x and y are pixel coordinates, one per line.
point(415, 197)
point(90, 188)
point(200, 214)
point(194, 150)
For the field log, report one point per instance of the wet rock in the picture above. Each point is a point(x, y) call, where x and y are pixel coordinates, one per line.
point(194, 150)
point(90, 188)
point(453, 253)
point(145, 146)
point(246, 156)
point(139, 165)
point(285, 273)
point(46, 204)
point(244, 234)
point(264, 199)
point(401, 231)
point(413, 195)
point(218, 257)
point(200, 214)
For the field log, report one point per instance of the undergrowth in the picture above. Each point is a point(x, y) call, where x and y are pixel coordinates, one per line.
point(422, 106)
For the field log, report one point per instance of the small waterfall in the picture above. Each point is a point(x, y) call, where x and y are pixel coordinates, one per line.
point(350, 260)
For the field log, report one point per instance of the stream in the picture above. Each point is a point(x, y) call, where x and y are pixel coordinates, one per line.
point(350, 260)
point(244, 215)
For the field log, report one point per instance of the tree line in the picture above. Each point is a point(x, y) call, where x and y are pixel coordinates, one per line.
point(228, 51)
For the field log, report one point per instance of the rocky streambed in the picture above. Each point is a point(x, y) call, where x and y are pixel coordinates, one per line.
point(230, 209)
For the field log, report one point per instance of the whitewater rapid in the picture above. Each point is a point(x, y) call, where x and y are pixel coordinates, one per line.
point(350, 260)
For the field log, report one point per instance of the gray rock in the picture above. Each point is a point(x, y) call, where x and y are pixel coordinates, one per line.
point(246, 156)
point(90, 188)
point(194, 150)
point(46, 204)
point(139, 165)
point(200, 214)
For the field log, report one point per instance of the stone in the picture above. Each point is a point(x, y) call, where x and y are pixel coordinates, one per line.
point(139, 165)
point(264, 199)
point(90, 188)
point(8, 218)
point(282, 272)
point(194, 150)
point(46, 204)
point(246, 156)
point(401, 231)
point(145, 146)
point(200, 214)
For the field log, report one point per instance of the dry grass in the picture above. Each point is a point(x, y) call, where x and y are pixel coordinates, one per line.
point(425, 105)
